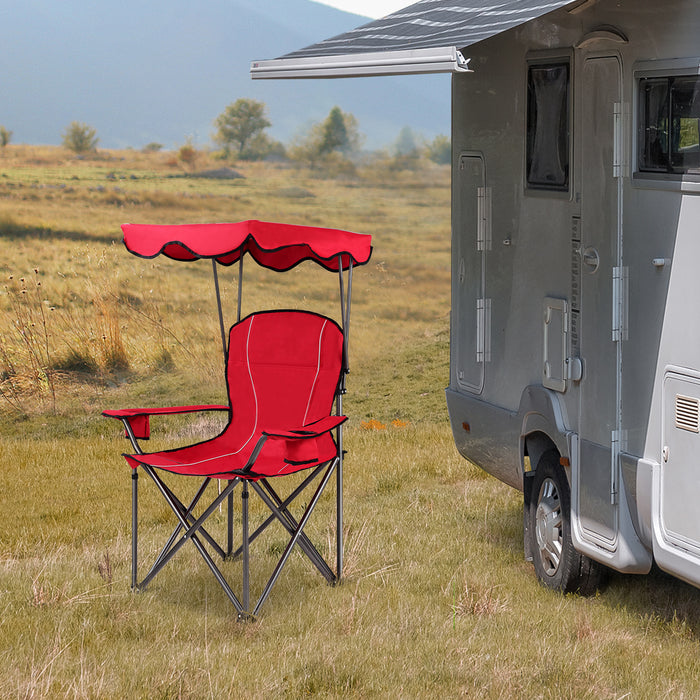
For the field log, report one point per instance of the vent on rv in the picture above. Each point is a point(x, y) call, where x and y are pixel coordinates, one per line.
point(688, 413)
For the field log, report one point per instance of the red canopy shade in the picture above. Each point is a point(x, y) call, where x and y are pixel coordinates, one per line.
point(276, 246)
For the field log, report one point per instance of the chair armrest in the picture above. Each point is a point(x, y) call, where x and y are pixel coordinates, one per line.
point(138, 418)
point(297, 434)
point(324, 425)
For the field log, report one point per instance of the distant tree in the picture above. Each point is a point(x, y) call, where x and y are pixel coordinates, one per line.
point(405, 144)
point(334, 133)
point(439, 150)
point(80, 138)
point(240, 126)
point(5, 136)
point(152, 147)
point(339, 132)
point(337, 135)
point(405, 150)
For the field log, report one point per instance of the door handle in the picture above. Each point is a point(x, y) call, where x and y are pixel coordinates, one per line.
point(590, 259)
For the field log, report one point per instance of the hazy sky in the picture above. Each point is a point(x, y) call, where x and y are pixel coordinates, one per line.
point(368, 8)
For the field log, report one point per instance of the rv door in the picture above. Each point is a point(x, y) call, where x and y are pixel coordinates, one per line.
point(471, 239)
point(595, 478)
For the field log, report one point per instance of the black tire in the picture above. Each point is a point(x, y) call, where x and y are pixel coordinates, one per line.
point(557, 564)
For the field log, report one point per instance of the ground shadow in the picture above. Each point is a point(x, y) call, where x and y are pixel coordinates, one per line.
point(11, 230)
point(657, 597)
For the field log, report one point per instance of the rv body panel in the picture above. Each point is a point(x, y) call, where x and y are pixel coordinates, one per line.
point(578, 328)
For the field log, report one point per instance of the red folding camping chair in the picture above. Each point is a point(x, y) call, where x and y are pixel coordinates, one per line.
point(285, 373)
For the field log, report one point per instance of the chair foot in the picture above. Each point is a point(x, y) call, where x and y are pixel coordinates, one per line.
point(246, 617)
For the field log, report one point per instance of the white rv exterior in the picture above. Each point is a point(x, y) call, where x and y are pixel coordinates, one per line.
point(575, 275)
point(575, 341)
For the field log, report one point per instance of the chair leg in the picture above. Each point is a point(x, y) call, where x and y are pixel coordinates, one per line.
point(169, 549)
point(271, 518)
point(190, 532)
point(339, 545)
point(229, 523)
point(295, 534)
point(134, 526)
point(291, 524)
point(187, 510)
point(246, 547)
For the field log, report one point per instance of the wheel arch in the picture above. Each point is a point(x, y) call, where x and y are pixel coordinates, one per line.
point(544, 426)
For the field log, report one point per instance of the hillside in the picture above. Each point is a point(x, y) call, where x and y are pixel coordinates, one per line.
point(163, 70)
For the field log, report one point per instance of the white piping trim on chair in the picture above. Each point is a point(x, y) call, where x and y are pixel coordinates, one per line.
point(318, 369)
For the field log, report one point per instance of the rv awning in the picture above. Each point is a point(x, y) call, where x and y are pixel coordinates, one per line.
point(429, 36)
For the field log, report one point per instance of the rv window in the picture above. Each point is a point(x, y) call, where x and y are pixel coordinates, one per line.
point(548, 126)
point(669, 135)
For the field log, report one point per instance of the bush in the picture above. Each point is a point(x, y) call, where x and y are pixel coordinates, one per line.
point(80, 138)
point(329, 143)
point(77, 360)
point(187, 154)
point(439, 150)
point(5, 136)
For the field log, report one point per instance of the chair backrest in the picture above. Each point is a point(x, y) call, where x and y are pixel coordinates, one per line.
point(283, 370)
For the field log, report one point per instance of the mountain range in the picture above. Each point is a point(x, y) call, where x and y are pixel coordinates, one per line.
point(142, 71)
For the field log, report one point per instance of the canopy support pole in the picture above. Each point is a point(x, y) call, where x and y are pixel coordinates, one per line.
point(342, 313)
point(347, 313)
point(229, 508)
point(218, 304)
point(240, 286)
point(345, 317)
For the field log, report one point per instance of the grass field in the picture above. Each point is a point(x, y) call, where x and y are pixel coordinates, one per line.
point(436, 599)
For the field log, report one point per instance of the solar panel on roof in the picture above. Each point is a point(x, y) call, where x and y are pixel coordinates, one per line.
point(432, 23)
point(426, 37)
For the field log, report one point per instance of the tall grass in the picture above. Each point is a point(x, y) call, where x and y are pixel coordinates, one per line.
point(436, 597)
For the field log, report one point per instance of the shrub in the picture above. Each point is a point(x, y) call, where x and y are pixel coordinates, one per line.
point(5, 136)
point(439, 150)
point(80, 138)
point(77, 360)
point(187, 154)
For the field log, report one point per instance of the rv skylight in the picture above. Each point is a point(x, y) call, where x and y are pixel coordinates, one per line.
point(669, 135)
point(547, 166)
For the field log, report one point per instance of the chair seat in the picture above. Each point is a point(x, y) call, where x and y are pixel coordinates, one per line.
point(219, 459)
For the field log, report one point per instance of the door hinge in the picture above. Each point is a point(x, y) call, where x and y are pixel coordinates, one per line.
point(621, 120)
point(618, 445)
point(483, 236)
point(483, 330)
point(619, 303)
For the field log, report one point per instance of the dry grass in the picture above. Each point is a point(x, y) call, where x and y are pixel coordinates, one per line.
point(436, 598)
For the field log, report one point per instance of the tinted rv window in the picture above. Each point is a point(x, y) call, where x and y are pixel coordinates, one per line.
point(548, 126)
point(669, 120)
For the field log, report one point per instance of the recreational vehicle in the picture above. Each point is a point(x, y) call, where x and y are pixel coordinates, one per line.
point(575, 349)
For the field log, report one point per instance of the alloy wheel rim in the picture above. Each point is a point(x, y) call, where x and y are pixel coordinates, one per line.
point(548, 527)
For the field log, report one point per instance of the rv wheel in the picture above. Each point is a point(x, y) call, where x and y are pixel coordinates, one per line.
point(557, 564)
